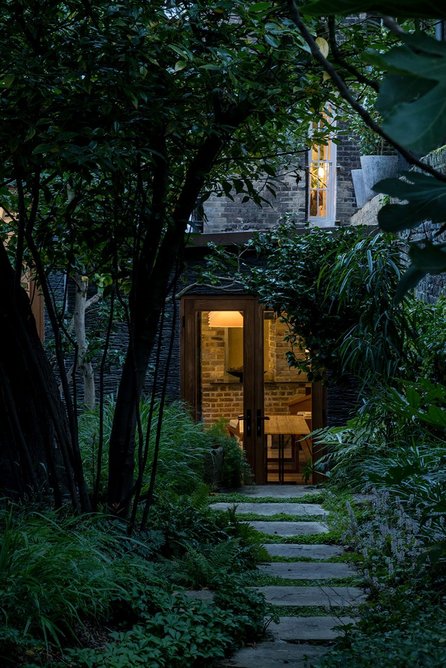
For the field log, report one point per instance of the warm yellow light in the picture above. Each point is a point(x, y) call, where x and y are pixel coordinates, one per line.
point(321, 172)
point(225, 319)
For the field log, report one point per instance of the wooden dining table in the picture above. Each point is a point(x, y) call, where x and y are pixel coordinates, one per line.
point(280, 426)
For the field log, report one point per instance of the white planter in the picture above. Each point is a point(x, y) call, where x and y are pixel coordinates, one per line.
point(359, 187)
point(375, 168)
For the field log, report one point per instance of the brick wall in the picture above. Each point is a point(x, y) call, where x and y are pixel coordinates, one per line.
point(347, 159)
point(224, 215)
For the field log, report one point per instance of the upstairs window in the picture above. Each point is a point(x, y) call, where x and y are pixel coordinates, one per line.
point(322, 182)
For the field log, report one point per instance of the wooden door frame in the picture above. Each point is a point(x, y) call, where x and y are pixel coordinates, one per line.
point(253, 390)
point(253, 362)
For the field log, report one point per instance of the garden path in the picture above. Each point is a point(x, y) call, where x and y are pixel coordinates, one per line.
point(310, 612)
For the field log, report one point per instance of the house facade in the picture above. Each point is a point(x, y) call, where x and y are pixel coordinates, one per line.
point(232, 362)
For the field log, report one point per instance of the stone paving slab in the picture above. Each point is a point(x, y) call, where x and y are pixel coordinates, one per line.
point(278, 491)
point(204, 595)
point(303, 570)
point(303, 551)
point(308, 628)
point(271, 655)
point(308, 596)
point(297, 509)
point(289, 528)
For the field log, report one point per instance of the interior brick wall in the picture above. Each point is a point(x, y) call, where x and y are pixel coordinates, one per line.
point(222, 396)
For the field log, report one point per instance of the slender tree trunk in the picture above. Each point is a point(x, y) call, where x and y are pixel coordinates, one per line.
point(81, 304)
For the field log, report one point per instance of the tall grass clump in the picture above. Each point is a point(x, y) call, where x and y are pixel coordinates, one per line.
point(190, 454)
point(183, 447)
point(55, 575)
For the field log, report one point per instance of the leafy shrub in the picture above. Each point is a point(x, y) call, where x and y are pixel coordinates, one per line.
point(402, 624)
point(184, 635)
point(396, 441)
point(187, 529)
point(187, 632)
point(418, 642)
point(205, 565)
point(66, 580)
point(430, 343)
point(389, 542)
point(235, 470)
point(246, 605)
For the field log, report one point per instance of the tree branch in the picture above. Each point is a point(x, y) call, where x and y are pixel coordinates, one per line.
point(341, 60)
point(348, 96)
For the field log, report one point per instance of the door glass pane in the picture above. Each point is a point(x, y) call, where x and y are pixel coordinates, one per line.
point(221, 369)
point(288, 407)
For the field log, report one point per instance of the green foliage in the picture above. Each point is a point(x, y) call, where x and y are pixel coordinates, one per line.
point(69, 582)
point(363, 279)
point(183, 446)
point(57, 573)
point(411, 103)
point(185, 634)
point(117, 121)
point(235, 470)
point(151, 80)
point(403, 622)
point(430, 343)
point(397, 442)
point(413, 92)
point(411, 96)
point(335, 291)
point(425, 198)
point(417, 642)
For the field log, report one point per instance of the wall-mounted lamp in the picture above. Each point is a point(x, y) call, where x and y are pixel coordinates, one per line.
point(225, 319)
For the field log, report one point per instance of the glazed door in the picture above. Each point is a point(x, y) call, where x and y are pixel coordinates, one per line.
point(223, 368)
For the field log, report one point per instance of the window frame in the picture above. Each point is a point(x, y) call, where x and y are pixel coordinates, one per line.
point(331, 187)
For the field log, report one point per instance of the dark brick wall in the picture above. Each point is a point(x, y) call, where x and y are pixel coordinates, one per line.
point(347, 159)
point(224, 215)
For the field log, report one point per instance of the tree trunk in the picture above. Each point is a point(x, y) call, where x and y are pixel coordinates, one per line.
point(162, 247)
point(35, 447)
point(142, 340)
point(81, 304)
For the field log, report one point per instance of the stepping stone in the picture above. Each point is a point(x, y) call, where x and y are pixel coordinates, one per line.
point(298, 509)
point(204, 595)
point(303, 570)
point(294, 629)
point(327, 597)
point(278, 491)
point(271, 655)
point(289, 528)
point(303, 551)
